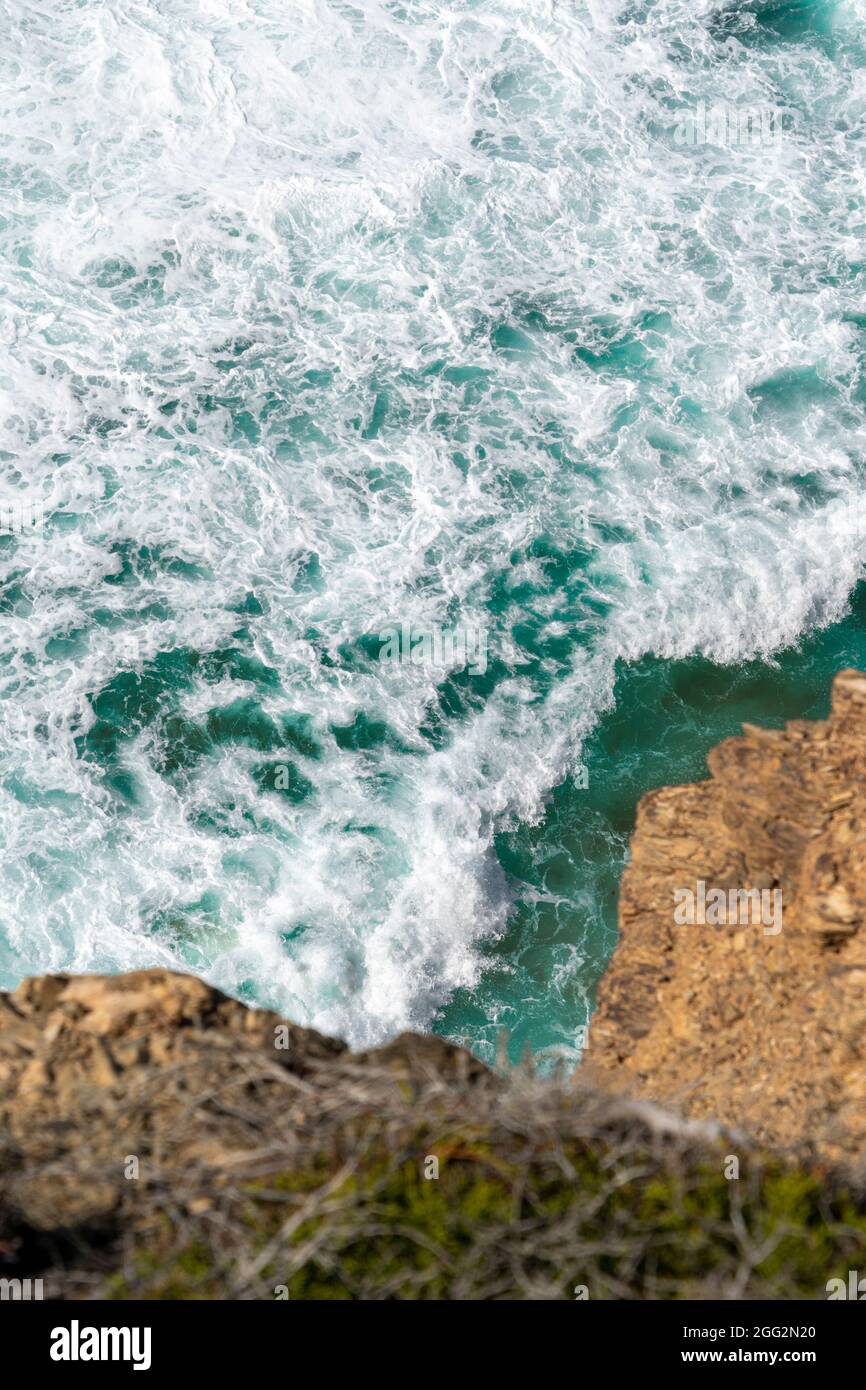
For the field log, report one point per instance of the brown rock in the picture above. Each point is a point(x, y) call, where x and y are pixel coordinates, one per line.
point(762, 1031)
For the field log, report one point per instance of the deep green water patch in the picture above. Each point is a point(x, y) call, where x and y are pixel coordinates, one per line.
point(285, 779)
point(760, 22)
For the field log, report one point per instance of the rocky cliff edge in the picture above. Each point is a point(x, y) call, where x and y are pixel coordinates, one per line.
point(758, 1023)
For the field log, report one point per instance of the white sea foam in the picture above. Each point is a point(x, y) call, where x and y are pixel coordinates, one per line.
point(245, 254)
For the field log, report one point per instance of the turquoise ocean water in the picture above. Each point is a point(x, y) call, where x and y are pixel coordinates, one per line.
point(544, 321)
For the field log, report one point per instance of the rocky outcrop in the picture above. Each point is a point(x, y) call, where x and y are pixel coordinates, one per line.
point(730, 1017)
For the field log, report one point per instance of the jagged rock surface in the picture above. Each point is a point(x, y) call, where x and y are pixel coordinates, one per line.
point(766, 1032)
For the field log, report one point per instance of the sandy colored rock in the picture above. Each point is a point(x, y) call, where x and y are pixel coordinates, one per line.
point(758, 1030)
